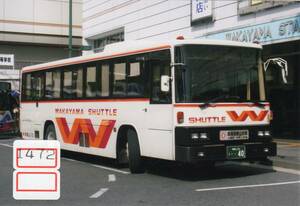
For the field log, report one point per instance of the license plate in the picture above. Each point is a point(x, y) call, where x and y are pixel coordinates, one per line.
point(234, 135)
point(236, 152)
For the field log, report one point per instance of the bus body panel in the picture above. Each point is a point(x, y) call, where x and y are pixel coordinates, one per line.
point(223, 114)
point(159, 126)
point(156, 138)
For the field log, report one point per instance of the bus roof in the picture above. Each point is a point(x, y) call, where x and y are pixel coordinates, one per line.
point(134, 47)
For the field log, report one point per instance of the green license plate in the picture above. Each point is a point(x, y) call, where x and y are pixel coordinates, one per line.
point(236, 152)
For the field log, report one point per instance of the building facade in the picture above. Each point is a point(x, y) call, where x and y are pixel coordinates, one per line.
point(273, 24)
point(36, 31)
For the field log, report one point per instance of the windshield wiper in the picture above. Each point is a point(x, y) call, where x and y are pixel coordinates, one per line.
point(224, 96)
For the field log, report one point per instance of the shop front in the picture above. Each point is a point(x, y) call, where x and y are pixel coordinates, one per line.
point(281, 41)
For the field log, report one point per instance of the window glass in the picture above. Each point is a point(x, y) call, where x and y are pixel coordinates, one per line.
point(39, 86)
point(223, 74)
point(99, 44)
point(119, 84)
point(49, 85)
point(28, 86)
point(67, 90)
point(160, 65)
point(255, 2)
point(56, 84)
point(91, 86)
point(135, 86)
point(78, 81)
point(104, 91)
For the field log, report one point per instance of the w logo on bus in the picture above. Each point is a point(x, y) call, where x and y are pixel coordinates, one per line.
point(245, 114)
point(85, 127)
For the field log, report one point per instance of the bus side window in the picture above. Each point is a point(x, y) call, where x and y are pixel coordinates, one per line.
point(52, 85)
point(77, 83)
point(119, 83)
point(135, 83)
point(159, 68)
point(56, 84)
point(104, 80)
point(28, 90)
point(37, 85)
point(67, 86)
point(49, 85)
point(73, 83)
point(91, 84)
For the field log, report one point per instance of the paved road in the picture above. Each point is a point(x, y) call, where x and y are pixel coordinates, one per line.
point(90, 180)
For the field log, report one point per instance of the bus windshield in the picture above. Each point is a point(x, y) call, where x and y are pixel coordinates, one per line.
point(218, 74)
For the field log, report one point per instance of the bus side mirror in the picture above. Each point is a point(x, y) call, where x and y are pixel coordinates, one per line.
point(165, 83)
point(279, 63)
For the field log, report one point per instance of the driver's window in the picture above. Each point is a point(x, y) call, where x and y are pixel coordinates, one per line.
point(159, 68)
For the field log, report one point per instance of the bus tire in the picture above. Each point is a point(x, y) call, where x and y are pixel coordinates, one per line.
point(136, 163)
point(50, 133)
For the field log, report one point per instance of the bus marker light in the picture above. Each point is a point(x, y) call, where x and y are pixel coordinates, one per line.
point(180, 117)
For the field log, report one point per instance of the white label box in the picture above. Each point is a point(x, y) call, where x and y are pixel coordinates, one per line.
point(36, 175)
point(36, 185)
point(36, 154)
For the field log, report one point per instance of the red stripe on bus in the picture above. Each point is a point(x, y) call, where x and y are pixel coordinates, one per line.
point(100, 58)
point(88, 100)
point(221, 105)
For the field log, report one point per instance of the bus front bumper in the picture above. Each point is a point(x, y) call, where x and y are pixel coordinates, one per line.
point(218, 152)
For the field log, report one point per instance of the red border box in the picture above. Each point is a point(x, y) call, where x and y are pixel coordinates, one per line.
point(30, 166)
point(35, 190)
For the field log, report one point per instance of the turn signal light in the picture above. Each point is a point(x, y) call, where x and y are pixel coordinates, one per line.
point(180, 117)
point(271, 116)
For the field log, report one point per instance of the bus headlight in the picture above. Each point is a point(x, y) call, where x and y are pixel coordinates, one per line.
point(265, 133)
point(260, 133)
point(195, 136)
point(203, 136)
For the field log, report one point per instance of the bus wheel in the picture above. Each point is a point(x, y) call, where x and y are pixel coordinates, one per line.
point(50, 133)
point(136, 163)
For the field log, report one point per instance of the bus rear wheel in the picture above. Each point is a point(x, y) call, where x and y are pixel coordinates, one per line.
point(136, 162)
point(50, 133)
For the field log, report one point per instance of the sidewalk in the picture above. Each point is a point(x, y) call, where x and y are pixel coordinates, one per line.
point(288, 154)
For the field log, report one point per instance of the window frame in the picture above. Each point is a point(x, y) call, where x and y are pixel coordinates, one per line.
point(142, 58)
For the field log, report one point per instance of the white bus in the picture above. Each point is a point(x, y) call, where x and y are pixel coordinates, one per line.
point(190, 101)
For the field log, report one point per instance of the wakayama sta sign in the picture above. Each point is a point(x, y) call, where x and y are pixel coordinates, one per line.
point(263, 33)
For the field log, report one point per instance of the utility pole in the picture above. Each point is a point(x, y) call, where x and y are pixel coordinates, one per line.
point(70, 28)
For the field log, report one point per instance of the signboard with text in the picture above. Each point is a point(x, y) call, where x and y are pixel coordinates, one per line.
point(7, 60)
point(278, 30)
point(201, 9)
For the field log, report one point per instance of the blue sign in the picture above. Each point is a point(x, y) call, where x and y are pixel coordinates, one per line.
point(263, 33)
point(201, 9)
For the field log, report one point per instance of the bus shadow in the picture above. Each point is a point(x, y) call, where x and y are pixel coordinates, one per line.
point(92, 159)
point(176, 170)
point(198, 172)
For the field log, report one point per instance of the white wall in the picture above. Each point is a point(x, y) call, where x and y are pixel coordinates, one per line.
point(39, 16)
point(165, 19)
